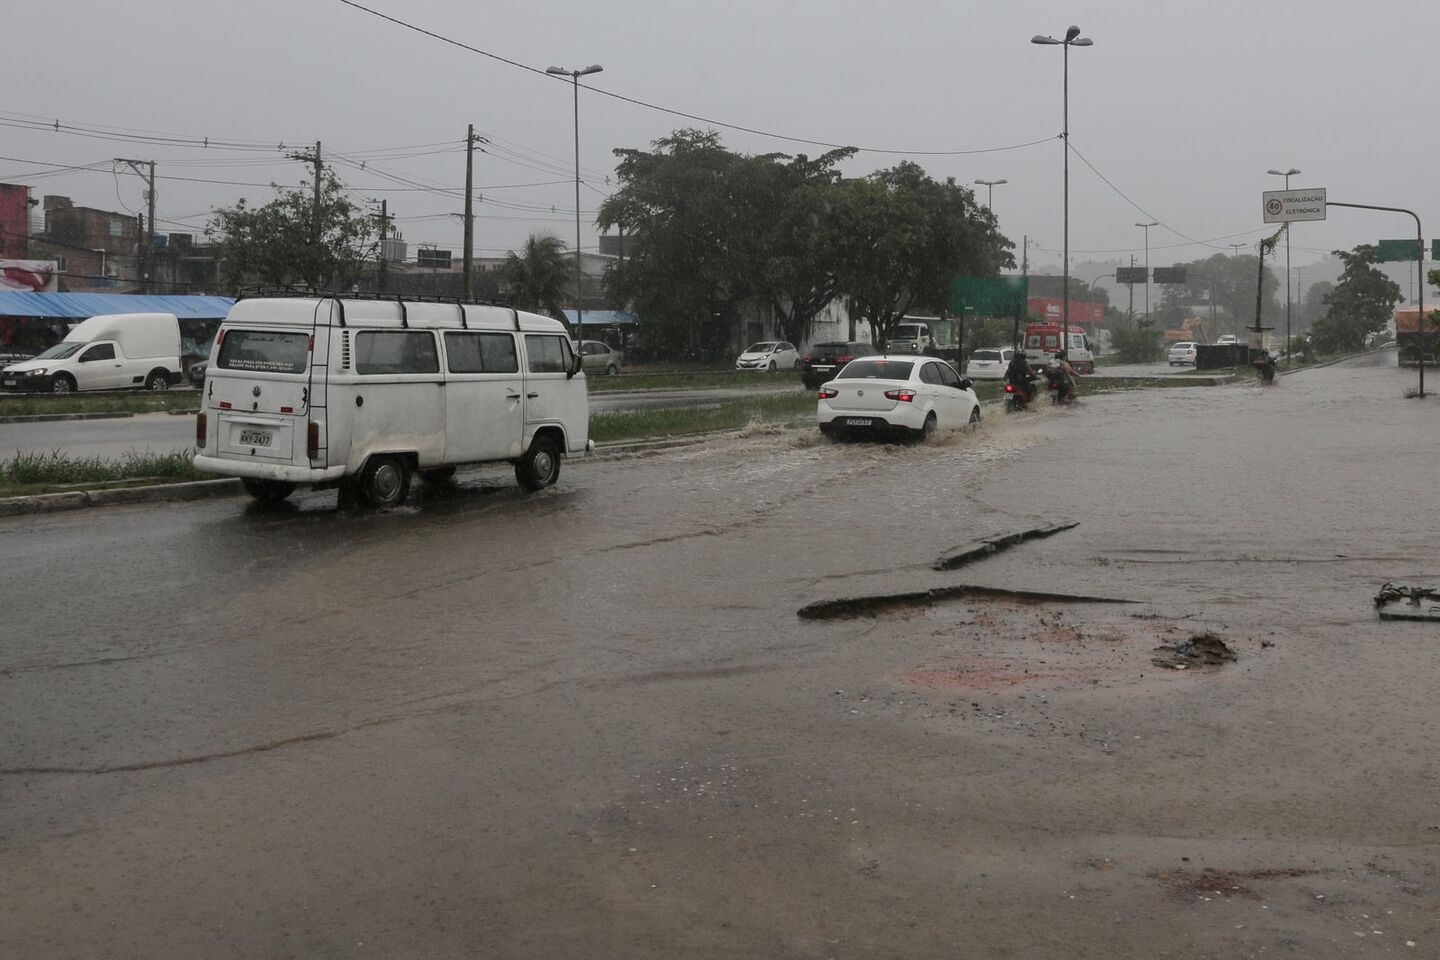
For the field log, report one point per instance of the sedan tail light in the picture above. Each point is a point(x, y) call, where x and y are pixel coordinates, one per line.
point(904, 396)
point(828, 393)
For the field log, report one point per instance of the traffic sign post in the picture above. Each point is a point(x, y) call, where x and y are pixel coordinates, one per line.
point(1287, 206)
point(1388, 250)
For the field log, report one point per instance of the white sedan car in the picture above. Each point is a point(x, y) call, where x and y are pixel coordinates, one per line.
point(1182, 353)
point(894, 396)
point(769, 356)
point(989, 363)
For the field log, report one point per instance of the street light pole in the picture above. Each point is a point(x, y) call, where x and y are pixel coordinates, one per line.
point(1147, 226)
point(1237, 247)
point(990, 186)
point(1287, 174)
point(1072, 39)
point(575, 76)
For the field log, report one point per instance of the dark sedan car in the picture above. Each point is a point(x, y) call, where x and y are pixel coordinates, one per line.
point(824, 360)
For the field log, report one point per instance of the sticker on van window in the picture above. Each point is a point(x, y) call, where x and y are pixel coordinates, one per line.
point(263, 351)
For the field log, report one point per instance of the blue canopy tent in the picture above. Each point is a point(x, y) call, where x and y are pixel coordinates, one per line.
point(82, 306)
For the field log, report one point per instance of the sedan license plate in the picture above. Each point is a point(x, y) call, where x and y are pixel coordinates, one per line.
point(254, 438)
point(858, 421)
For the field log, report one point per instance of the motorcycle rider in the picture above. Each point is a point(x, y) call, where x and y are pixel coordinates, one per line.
point(1020, 375)
point(1265, 366)
point(1066, 378)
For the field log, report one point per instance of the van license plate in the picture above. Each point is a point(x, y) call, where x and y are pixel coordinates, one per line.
point(857, 422)
point(254, 438)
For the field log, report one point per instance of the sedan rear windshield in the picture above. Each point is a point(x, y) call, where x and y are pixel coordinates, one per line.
point(877, 370)
point(986, 355)
point(263, 351)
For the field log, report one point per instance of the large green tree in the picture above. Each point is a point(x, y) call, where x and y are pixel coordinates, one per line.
point(687, 250)
point(293, 241)
point(903, 239)
point(1361, 303)
point(537, 277)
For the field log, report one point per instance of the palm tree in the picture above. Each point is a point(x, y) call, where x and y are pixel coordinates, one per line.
point(537, 277)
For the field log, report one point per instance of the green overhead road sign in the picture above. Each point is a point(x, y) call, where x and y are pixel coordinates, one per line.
point(989, 296)
point(1399, 250)
point(1129, 274)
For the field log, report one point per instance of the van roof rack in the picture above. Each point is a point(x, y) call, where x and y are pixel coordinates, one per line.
point(261, 292)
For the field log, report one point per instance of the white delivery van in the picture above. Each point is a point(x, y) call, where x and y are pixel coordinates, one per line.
point(363, 394)
point(113, 352)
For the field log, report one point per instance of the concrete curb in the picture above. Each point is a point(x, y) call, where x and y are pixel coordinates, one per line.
point(156, 493)
point(49, 417)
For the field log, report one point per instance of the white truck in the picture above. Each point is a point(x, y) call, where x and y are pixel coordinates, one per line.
point(910, 335)
point(364, 394)
point(112, 352)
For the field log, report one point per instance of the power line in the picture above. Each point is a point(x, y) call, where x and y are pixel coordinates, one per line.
point(680, 113)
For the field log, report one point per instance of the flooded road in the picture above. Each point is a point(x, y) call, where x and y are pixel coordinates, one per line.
point(589, 722)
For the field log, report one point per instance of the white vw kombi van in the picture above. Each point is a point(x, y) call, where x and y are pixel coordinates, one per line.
point(363, 394)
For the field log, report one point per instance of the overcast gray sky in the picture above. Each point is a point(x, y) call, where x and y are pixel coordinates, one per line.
point(1181, 106)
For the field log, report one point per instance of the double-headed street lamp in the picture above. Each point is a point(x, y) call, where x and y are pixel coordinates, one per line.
point(1147, 226)
point(575, 76)
point(1287, 174)
point(990, 186)
point(1237, 247)
point(1072, 39)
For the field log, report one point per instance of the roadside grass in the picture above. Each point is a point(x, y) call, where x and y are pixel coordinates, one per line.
point(28, 473)
point(137, 402)
point(734, 379)
point(675, 421)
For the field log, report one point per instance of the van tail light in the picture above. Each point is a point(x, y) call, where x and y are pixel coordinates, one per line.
point(220, 337)
point(200, 431)
point(828, 393)
point(904, 396)
point(312, 440)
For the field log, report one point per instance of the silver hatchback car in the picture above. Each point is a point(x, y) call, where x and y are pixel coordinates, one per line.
point(597, 356)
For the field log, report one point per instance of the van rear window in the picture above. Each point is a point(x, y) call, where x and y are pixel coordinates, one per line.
point(263, 351)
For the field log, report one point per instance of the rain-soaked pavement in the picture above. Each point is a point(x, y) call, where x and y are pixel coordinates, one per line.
point(590, 723)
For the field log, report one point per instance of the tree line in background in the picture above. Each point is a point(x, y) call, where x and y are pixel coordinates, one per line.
point(712, 235)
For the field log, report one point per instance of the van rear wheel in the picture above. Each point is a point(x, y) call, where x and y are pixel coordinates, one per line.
point(385, 482)
point(540, 465)
point(267, 491)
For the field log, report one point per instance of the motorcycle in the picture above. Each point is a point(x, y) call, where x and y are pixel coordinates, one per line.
point(1016, 398)
point(1059, 392)
point(1265, 369)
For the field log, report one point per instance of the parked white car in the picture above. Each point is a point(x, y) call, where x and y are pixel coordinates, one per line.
point(1227, 338)
point(363, 394)
point(1182, 353)
point(896, 396)
point(989, 363)
point(769, 356)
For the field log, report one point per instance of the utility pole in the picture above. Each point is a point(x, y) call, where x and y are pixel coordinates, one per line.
point(469, 212)
point(319, 164)
point(384, 235)
point(147, 249)
point(1025, 257)
point(1132, 291)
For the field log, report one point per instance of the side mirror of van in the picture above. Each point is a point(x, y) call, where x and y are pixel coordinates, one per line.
point(576, 365)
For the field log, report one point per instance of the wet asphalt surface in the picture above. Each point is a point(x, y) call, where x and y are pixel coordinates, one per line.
point(589, 722)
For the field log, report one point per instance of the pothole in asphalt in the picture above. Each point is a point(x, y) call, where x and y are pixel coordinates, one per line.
point(1201, 650)
point(1209, 883)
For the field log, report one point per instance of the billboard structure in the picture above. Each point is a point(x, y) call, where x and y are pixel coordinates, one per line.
point(30, 276)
